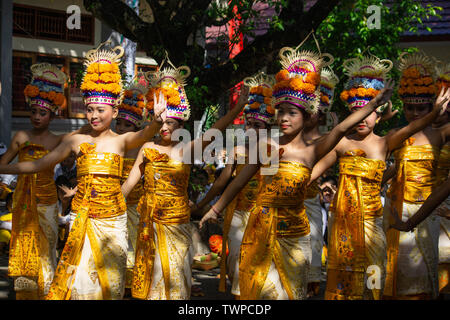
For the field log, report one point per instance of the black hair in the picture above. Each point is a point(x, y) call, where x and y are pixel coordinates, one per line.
point(9, 197)
point(62, 181)
point(330, 179)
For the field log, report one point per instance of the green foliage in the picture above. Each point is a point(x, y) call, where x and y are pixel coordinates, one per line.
point(346, 34)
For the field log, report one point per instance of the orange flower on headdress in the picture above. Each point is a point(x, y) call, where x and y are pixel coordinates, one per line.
point(31, 91)
point(411, 73)
point(308, 88)
point(313, 77)
point(282, 75)
point(255, 105)
point(296, 84)
point(325, 99)
point(270, 109)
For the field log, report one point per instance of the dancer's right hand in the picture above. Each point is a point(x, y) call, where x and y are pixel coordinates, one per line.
point(210, 215)
point(442, 99)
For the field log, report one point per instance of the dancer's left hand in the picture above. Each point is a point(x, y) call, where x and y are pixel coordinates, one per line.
point(160, 107)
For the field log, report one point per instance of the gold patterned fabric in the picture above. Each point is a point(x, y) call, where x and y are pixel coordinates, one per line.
point(350, 252)
point(138, 190)
point(132, 217)
point(442, 175)
point(443, 166)
point(160, 271)
point(242, 203)
point(314, 212)
point(33, 235)
point(275, 230)
point(414, 182)
point(95, 251)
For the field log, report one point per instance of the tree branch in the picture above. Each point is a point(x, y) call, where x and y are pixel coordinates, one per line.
point(263, 51)
point(120, 17)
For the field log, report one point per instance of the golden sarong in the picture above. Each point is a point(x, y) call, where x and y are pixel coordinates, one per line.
point(442, 175)
point(314, 213)
point(276, 240)
point(357, 239)
point(93, 261)
point(32, 255)
point(162, 263)
point(414, 181)
point(132, 218)
point(235, 222)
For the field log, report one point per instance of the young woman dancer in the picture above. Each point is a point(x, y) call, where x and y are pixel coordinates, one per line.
point(357, 243)
point(259, 115)
point(33, 258)
point(93, 261)
point(163, 258)
point(276, 249)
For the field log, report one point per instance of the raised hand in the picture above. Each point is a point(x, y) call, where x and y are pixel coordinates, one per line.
point(388, 114)
point(442, 99)
point(243, 97)
point(159, 107)
point(68, 192)
point(385, 94)
point(399, 224)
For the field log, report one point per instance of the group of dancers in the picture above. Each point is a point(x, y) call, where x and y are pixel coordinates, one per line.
point(130, 217)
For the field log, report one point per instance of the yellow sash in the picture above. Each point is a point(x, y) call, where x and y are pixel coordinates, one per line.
point(312, 191)
point(443, 166)
point(27, 239)
point(99, 196)
point(413, 183)
point(357, 199)
point(278, 213)
point(165, 201)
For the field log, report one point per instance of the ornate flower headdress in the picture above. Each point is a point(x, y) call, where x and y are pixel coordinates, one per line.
point(46, 89)
point(170, 81)
point(366, 77)
point(133, 104)
point(259, 104)
point(416, 82)
point(298, 82)
point(443, 75)
point(328, 82)
point(102, 82)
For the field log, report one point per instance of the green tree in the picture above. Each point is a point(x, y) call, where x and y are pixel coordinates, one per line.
point(345, 34)
point(176, 25)
point(341, 27)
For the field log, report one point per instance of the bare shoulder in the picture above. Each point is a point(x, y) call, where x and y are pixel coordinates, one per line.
point(150, 145)
point(342, 145)
point(20, 137)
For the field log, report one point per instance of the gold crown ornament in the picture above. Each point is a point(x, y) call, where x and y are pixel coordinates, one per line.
point(298, 83)
point(328, 82)
point(260, 102)
point(366, 78)
point(171, 82)
point(417, 84)
point(102, 81)
point(133, 103)
point(443, 75)
point(46, 89)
